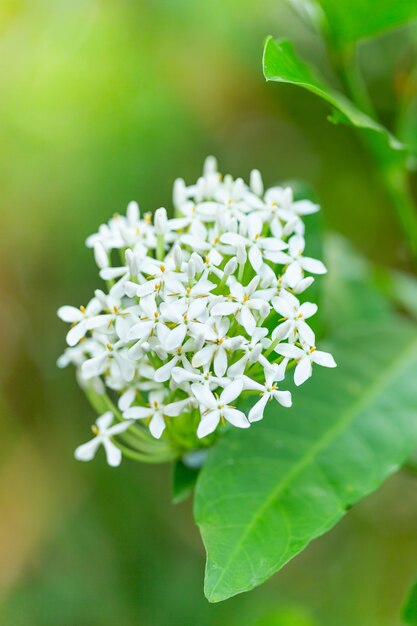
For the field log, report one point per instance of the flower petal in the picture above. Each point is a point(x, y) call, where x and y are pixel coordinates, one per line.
point(220, 361)
point(157, 425)
point(204, 395)
point(113, 454)
point(257, 411)
point(232, 391)
point(236, 418)
point(70, 314)
point(283, 397)
point(76, 333)
point(293, 273)
point(323, 358)
point(163, 373)
point(176, 408)
point(87, 451)
point(225, 308)
point(137, 412)
point(314, 266)
point(255, 258)
point(209, 422)
point(303, 371)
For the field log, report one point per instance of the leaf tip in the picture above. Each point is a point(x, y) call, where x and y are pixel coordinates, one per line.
point(266, 45)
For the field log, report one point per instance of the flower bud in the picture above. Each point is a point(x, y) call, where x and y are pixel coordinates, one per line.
point(253, 285)
point(210, 165)
point(256, 183)
point(198, 262)
point(191, 269)
point(239, 188)
point(177, 254)
point(160, 221)
point(133, 213)
point(230, 266)
point(101, 297)
point(179, 194)
point(200, 190)
point(131, 262)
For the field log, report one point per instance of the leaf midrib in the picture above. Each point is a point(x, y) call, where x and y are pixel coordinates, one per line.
point(346, 418)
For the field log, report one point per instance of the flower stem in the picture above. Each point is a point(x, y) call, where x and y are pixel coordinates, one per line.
point(160, 247)
point(144, 458)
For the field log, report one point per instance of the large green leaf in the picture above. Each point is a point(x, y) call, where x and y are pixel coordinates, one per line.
point(350, 293)
point(281, 64)
point(264, 494)
point(409, 612)
point(351, 21)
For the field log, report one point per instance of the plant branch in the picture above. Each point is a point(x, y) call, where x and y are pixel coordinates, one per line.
point(390, 165)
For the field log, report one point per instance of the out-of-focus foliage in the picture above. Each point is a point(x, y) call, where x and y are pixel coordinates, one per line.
point(347, 22)
point(410, 607)
point(104, 102)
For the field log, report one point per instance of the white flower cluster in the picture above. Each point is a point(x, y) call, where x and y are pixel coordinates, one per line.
point(199, 309)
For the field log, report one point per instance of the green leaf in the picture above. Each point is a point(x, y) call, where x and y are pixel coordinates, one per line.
point(281, 64)
point(183, 481)
point(409, 612)
point(264, 494)
point(347, 22)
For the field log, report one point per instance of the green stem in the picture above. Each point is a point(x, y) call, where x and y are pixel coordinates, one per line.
point(160, 247)
point(144, 458)
point(139, 440)
point(390, 165)
point(271, 347)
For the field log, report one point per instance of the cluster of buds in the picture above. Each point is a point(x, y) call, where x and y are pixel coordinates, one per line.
point(199, 312)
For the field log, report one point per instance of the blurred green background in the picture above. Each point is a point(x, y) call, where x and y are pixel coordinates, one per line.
point(107, 101)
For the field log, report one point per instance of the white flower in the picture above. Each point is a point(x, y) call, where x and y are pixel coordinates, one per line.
point(297, 262)
point(241, 304)
point(184, 316)
point(200, 289)
point(196, 305)
point(259, 247)
point(268, 391)
point(215, 333)
point(103, 433)
point(161, 276)
point(188, 374)
point(306, 356)
point(295, 315)
point(216, 409)
point(283, 207)
point(83, 319)
point(156, 412)
point(150, 321)
point(252, 351)
point(108, 355)
point(164, 372)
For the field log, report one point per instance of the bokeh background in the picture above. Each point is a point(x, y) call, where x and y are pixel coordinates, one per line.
point(102, 102)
